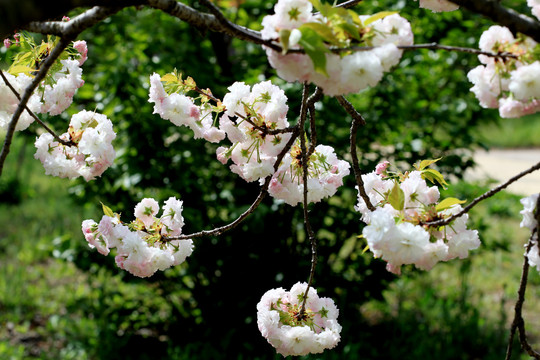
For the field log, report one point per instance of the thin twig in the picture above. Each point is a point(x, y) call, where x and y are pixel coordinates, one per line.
point(349, 4)
point(432, 46)
point(305, 170)
point(44, 68)
point(38, 120)
point(313, 128)
point(357, 120)
point(484, 196)
point(519, 323)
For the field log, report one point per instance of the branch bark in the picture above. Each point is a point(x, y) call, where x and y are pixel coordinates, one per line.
point(513, 20)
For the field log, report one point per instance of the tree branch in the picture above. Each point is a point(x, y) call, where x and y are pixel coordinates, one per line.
point(513, 20)
point(357, 120)
point(432, 46)
point(78, 24)
point(305, 173)
point(313, 128)
point(518, 322)
point(488, 194)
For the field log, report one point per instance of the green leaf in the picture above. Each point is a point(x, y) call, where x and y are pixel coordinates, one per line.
point(18, 69)
point(425, 163)
point(107, 210)
point(365, 249)
point(396, 198)
point(314, 46)
point(323, 30)
point(378, 16)
point(324, 9)
point(434, 176)
point(448, 202)
point(284, 35)
point(351, 30)
point(169, 78)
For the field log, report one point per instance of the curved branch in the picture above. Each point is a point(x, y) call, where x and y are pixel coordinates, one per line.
point(357, 120)
point(519, 323)
point(432, 46)
point(305, 170)
point(513, 20)
point(79, 23)
point(484, 196)
point(313, 128)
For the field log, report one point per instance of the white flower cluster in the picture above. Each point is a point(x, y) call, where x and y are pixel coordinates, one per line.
point(181, 110)
point(512, 85)
point(529, 221)
point(9, 102)
point(280, 321)
point(253, 152)
point(325, 175)
point(91, 153)
point(438, 5)
point(141, 248)
point(53, 95)
point(346, 74)
point(396, 231)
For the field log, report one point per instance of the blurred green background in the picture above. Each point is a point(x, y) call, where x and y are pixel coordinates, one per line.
point(61, 300)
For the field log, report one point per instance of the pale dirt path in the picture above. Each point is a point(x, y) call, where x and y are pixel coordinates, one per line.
point(500, 165)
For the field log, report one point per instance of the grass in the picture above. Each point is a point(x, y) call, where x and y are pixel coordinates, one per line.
point(51, 309)
point(512, 133)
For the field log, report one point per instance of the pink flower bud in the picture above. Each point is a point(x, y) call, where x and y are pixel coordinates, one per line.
point(381, 167)
point(7, 43)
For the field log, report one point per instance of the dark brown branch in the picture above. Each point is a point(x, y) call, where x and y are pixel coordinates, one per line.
point(44, 68)
point(357, 120)
point(484, 196)
point(509, 18)
point(79, 23)
point(38, 120)
point(431, 46)
point(519, 323)
point(312, 126)
point(349, 4)
point(209, 21)
point(305, 173)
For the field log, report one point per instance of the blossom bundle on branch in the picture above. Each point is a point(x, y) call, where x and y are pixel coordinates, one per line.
point(398, 230)
point(90, 152)
point(511, 84)
point(251, 113)
point(294, 26)
point(142, 245)
point(293, 332)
